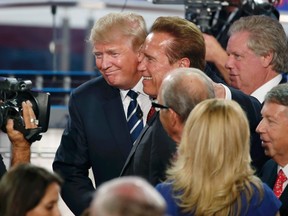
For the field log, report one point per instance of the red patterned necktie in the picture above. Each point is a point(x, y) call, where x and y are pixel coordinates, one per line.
point(281, 178)
point(151, 113)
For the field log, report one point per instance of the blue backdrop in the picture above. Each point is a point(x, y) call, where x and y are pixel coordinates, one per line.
point(283, 6)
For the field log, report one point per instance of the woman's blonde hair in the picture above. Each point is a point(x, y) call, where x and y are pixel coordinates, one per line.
point(213, 164)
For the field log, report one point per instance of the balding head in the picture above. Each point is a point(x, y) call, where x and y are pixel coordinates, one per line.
point(183, 88)
point(127, 196)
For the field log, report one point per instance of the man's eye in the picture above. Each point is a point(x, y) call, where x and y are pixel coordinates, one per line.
point(98, 55)
point(115, 54)
point(49, 207)
point(237, 57)
point(150, 59)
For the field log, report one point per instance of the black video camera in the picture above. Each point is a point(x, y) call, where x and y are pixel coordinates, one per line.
point(12, 93)
point(202, 12)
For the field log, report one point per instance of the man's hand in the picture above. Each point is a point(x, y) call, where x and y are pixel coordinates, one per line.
point(216, 54)
point(20, 147)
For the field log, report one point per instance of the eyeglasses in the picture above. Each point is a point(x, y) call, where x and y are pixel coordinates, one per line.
point(160, 106)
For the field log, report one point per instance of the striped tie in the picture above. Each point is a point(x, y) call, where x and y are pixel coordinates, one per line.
point(134, 116)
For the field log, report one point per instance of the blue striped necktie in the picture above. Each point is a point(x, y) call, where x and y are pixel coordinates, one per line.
point(134, 116)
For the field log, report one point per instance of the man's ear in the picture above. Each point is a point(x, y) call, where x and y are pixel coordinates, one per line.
point(267, 59)
point(174, 118)
point(184, 62)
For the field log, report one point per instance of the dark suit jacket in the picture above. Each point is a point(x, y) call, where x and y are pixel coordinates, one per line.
point(151, 154)
point(284, 78)
point(269, 176)
point(2, 167)
point(96, 136)
point(252, 108)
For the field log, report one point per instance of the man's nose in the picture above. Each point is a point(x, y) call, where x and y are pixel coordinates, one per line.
point(106, 62)
point(229, 63)
point(260, 127)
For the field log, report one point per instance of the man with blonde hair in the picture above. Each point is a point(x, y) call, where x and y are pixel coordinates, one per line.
point(97, 135)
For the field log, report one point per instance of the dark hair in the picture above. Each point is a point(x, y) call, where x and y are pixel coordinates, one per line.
point(23, 187)
point(188, 40)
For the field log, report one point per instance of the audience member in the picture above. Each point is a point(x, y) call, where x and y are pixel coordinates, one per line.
point(97, 134)
point(212, 174)
point(20, 147)
point(257, 54)
point(127, 196)
point(29, 190)
point(273, 132)
point(181, 90)
point(174, 42)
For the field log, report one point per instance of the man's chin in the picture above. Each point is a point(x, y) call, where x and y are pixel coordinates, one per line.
point(149, 92)
point(112, 82)
point(267, 153)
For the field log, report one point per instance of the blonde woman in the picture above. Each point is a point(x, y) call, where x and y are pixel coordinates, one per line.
point(212, 174)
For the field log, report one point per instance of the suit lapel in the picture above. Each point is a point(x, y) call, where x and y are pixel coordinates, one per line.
point(116, 119)
point(135, 146)
point(272, 177)
point(284, 195)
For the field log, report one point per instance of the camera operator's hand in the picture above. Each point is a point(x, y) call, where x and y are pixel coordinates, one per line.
point(20, 147)
point(216, 54)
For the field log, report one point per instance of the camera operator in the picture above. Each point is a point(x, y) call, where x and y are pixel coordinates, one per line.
point(20, 147)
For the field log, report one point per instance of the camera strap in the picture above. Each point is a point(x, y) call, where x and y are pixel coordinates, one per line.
point(32, 135)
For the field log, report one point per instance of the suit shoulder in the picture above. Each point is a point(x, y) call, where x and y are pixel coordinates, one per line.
point(97, 86)
point(268, 168)
point(97, 82)
point(269, 164)
point(244, 99)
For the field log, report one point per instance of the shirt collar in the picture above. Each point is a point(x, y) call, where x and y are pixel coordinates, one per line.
point(262, 90)
point(285, 170)
point(137, 88)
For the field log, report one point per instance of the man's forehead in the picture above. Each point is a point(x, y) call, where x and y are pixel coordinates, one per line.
point(273, 108)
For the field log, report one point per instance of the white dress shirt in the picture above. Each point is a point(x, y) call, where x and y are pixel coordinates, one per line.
point(285, 170)
point(262, 90)
point(142, 99)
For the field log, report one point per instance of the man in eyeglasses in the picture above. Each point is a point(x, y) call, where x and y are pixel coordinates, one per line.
point(172, 43)
point(181, 90)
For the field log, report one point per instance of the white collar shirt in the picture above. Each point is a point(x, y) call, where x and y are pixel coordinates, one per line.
point(142, 99)
point(285, 170)
point(262, 90)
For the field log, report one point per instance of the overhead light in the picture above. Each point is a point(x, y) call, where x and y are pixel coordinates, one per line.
point(168, 1)
point(27, 3)
point(92, 4)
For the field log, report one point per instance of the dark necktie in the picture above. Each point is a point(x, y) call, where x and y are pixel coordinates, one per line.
point(134, 116)
point(284, 78)
point(281, 178)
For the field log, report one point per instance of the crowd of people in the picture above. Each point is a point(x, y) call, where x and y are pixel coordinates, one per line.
point(206, 147)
